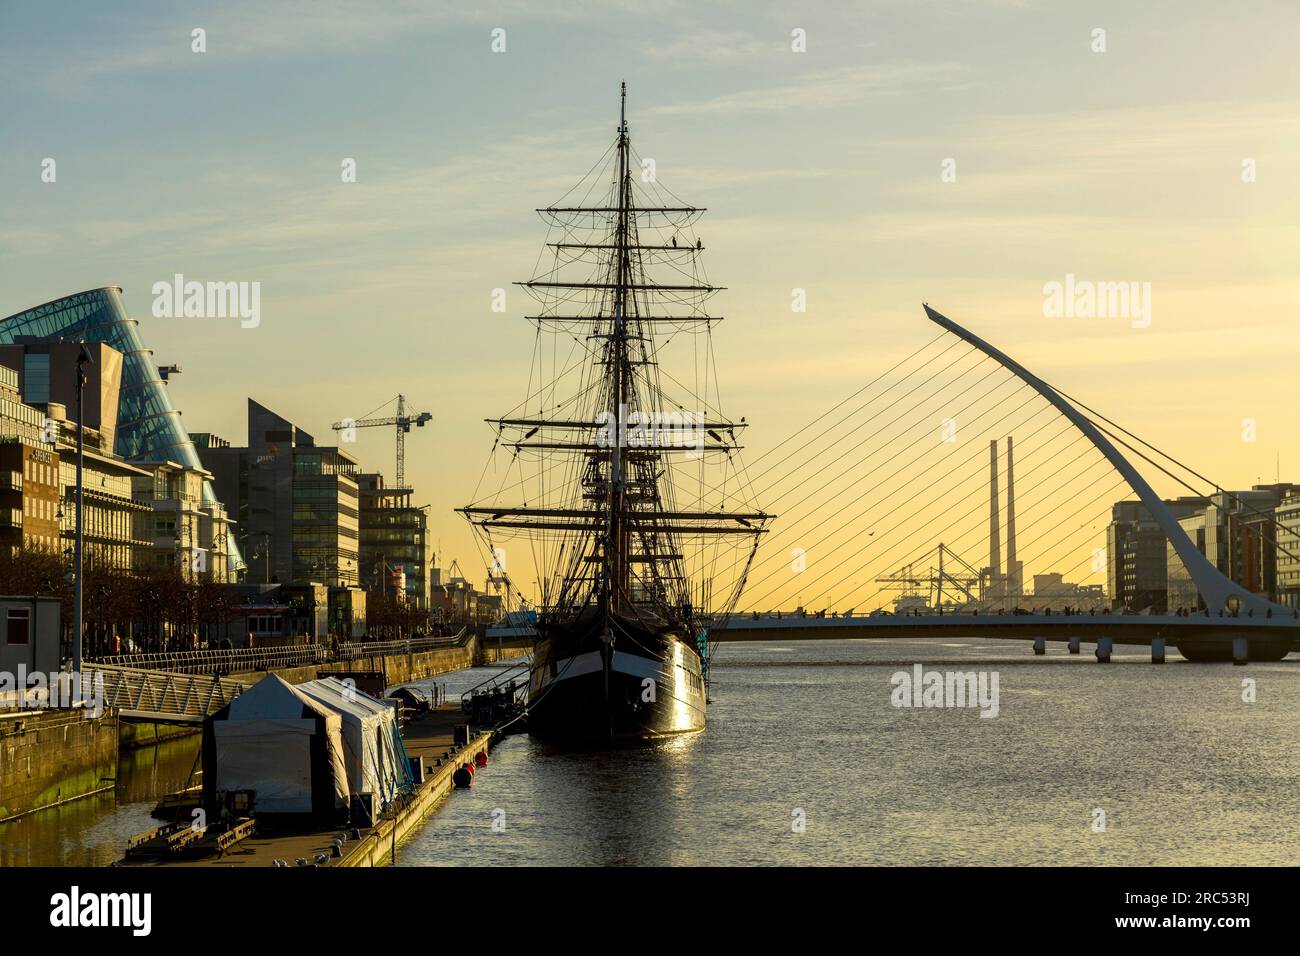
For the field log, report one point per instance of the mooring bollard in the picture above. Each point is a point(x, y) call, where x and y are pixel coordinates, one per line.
point(1074, 645)
point(1157, 650)
point(1040, 645)
point(1103, 650)
point(1240, 650)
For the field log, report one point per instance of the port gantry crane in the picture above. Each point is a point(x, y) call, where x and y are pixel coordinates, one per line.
point(907, 581)
point(403, 421)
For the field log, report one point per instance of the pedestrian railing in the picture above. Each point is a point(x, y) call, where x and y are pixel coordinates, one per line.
point(241, 660)
point(232, 661)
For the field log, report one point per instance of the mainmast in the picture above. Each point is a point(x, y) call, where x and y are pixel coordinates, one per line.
point(616, 565)
point(612, 532)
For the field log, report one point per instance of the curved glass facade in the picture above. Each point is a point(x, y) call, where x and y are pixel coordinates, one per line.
point(148, 426)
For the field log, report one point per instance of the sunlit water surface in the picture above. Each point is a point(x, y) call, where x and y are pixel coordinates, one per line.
point(1184, 770)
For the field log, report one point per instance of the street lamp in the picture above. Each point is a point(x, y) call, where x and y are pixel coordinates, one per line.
point(83, 359)
point(264, 551)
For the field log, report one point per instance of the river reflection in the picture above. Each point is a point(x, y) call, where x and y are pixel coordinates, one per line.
point(808, 761)
point(93, 831)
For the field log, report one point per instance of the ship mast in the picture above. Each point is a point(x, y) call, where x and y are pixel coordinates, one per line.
point(613, 527)
point(616, 575)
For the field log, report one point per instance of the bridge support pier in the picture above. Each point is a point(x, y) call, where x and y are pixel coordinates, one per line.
point(1240, 650)
point(1074, 645)
point(1157, 650)
point(1104, 645)
point(1040, 645)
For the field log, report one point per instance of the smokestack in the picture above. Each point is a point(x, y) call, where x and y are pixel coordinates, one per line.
point(995, 541)
point(1013, 566)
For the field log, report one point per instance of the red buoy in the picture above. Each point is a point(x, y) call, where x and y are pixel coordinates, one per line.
point(480, 759)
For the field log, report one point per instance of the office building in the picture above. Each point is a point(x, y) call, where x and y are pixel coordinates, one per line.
point(29, 473)
point(147, 427)
point(396, 553)
point(183, 530)
point(1137, 561)
point(38, 461)
point(1288, 550)
point(1238, 532)
point(295, 504)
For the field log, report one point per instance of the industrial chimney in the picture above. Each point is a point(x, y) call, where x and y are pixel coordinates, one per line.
point(1014, 568)
point(995, 537)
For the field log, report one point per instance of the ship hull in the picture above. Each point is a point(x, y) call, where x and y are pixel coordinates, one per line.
point(646, 686)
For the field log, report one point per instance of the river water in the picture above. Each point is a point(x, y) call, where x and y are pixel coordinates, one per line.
point(806, 761)
point(93, 831)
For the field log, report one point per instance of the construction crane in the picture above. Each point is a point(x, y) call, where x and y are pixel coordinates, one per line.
point(403, 422)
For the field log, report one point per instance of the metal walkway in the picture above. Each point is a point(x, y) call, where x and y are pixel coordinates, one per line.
point(162, 696)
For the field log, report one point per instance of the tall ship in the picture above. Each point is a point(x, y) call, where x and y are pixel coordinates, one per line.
point(619, 481)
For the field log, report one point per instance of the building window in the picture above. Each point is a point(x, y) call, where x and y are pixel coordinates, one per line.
point(36, 379)
point(18, 625)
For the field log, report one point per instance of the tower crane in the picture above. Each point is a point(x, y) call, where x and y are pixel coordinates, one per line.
point(403, 421)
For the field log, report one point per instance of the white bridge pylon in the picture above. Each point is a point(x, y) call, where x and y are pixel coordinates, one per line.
point(1218, 591)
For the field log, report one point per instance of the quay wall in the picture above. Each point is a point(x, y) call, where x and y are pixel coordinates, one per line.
point(378, 846)
point(398, 668)
point(51, 757)
point(133, 735)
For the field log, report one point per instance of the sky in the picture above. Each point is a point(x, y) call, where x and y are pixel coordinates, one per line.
point(829, 170)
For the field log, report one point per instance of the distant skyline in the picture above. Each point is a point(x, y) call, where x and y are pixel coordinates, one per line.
point(823, 170)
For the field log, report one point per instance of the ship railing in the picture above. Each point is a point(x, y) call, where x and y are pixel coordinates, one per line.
point(511, 683)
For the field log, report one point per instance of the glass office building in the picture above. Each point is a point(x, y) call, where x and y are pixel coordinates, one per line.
point(148, 427)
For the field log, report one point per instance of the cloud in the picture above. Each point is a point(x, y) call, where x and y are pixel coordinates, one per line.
point(828, 89)
point(706, 44)
point(255, 30)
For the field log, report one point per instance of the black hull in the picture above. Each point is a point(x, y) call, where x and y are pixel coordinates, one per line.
point(648, 687)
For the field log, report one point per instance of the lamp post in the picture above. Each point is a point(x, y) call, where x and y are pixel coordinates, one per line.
point(266, 555)
point(83, 357)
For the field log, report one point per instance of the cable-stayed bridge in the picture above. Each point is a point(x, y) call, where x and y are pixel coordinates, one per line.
point(901, 467)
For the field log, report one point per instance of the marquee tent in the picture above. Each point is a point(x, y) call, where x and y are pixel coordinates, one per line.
point(282, 744)
point(372, 744)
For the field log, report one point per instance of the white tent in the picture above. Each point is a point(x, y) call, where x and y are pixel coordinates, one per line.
point(375, 758)
point(280, 743)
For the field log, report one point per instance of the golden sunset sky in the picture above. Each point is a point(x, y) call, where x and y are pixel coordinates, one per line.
point(821, 171)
